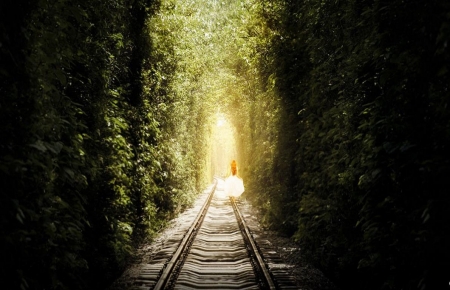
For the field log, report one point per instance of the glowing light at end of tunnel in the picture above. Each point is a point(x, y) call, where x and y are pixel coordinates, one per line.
point(221, 121)
point(223, 148)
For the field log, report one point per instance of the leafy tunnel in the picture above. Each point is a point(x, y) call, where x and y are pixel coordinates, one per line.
point(115, 114)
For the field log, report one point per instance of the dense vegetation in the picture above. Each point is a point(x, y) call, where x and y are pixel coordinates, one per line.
point(346, 144)
point(340, 110)
point(90, 156)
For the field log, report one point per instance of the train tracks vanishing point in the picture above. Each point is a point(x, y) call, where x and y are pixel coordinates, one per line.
point(217, 251)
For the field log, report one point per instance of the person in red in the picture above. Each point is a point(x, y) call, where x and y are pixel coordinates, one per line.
point(234, 185)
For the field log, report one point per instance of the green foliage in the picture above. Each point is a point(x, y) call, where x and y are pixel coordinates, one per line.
point(341, 118)
point(88, 163)
point(346, 137)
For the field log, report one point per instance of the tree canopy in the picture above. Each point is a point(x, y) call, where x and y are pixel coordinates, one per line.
point(338, 110)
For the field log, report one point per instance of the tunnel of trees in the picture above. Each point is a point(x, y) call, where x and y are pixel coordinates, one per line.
point(340, 113)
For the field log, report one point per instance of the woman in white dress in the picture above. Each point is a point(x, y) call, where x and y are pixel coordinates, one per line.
point(234, 186)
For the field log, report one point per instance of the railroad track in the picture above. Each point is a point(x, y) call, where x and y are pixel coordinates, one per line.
point(216, 251)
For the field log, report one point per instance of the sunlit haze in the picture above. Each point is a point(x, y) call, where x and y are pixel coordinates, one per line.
point(224, 146)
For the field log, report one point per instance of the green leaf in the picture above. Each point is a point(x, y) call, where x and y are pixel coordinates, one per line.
point(39, 145)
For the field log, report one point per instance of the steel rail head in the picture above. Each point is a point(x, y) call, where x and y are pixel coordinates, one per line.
point(188, 237)
point(260, 263)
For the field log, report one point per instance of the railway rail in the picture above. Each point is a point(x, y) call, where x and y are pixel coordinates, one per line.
point(216, 251)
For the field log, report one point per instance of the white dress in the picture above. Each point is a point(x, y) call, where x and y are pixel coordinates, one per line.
point(234, 186)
